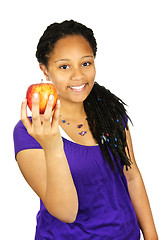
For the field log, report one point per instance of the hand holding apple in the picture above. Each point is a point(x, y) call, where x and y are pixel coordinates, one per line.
point(46, 132)
point(44, 90)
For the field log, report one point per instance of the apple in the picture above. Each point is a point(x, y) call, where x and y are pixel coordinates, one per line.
point(44, 90)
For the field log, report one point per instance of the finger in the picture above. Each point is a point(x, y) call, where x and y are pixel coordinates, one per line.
point(48, 112)
point(26, 121)
point(56, 115)
point(35, 111)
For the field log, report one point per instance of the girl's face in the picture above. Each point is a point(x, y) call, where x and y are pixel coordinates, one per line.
point(71, 68)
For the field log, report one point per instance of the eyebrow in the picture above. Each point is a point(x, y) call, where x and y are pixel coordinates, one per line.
point(66, 59)
point(63, 59)
point(88, 56)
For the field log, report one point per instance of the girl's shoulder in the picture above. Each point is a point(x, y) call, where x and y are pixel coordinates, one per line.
point(22, 139)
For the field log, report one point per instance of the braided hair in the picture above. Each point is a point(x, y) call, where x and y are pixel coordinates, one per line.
point(107, 119)
point(106, 114)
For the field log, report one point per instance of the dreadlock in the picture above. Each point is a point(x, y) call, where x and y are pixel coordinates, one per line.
point(106, 114)
point(107, 119)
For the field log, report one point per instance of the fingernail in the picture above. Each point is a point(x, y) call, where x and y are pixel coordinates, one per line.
point(36, 95)
point(24, 100)
point(51, 97)
point(58, 102)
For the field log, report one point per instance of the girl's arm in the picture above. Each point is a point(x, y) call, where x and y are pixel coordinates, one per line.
point(47, 170)
point(139, 196)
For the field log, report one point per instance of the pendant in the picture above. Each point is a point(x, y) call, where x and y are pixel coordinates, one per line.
point(80, 125)
point(82, 133)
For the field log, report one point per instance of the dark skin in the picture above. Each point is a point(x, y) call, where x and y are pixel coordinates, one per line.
point(71, 68)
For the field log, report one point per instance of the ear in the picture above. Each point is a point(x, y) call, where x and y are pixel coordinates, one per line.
point(45, 71)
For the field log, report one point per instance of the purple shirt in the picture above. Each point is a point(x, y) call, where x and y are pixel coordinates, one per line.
point(105, 209)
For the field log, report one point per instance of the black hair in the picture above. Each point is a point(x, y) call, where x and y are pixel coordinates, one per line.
point(106, 113)
point(107, 118)
point(57, 31)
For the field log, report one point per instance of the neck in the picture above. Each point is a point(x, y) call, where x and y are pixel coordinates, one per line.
point(72, 111)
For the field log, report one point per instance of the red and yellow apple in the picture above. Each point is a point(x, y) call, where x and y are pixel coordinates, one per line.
point(44, 90)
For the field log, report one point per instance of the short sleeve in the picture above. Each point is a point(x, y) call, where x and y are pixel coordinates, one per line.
point(22, 140)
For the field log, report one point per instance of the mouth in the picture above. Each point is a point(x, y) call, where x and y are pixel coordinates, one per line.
point(78, 88)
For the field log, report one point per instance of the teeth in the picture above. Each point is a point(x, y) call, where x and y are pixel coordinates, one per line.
point(78, 87)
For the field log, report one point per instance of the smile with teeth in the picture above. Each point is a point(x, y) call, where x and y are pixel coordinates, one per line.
point(78, 88)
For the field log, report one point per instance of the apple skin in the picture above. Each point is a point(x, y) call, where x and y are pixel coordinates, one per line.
point(44, 90)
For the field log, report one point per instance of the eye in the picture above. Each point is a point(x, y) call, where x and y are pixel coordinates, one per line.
point(86, 64)
point(64, 67)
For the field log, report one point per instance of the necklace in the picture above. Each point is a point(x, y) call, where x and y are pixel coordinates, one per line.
point(79, 126)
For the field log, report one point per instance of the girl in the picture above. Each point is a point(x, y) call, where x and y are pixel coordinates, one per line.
point(79, 158)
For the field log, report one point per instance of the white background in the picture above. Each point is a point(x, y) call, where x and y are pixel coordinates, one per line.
point(127, 63)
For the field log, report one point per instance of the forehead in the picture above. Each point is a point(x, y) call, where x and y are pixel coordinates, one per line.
point(72, 45)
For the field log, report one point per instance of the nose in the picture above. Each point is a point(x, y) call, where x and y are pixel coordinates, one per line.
point(77, 74)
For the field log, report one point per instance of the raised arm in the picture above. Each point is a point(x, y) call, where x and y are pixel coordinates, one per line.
point(46, 170)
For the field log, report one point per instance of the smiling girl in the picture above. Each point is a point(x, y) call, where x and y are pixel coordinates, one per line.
point(79, 158)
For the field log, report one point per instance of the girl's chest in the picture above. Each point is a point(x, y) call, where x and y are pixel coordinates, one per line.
point(86, 163)
point(82, 136)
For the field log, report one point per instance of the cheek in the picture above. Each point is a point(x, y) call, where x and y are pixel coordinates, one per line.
point(57, 80)
point(92, 75)
point(60, 85)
